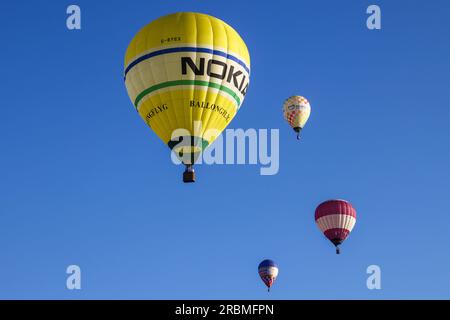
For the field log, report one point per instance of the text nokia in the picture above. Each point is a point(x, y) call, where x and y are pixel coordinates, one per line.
point(222, 71)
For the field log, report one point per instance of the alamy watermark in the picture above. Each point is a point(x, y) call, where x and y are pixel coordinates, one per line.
point(250, 146)
point(374, 280)
point(73, 281)
point(73, 21)
point(373, 22)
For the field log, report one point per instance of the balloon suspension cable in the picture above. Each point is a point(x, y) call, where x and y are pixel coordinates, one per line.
point(268, 289)
point(298, 130)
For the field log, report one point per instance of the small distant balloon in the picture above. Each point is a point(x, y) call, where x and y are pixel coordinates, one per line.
point(336, 219)
point(296, 110)
point(268, 271)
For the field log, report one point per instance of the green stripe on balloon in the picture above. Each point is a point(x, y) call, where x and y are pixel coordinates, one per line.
point(186, 83)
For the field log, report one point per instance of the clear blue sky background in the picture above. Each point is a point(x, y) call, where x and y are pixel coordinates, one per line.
point(84, 181)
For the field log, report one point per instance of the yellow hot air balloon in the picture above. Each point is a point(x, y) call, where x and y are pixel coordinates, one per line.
point(187, 75)
point(296, 110)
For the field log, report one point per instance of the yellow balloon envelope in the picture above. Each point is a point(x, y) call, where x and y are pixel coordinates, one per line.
point(296, 110)
point(187, 75)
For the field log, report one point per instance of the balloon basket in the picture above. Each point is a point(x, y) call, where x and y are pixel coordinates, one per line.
point(189, 175)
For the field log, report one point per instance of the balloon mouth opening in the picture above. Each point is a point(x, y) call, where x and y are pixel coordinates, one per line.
point(188, 148)
point(337, 242)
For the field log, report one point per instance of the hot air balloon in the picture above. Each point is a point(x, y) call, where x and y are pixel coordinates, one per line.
point(187, 75)
point(268, 271)
point(336, 219)
point(296, 110)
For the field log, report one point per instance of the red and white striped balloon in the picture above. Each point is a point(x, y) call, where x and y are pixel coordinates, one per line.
point(336, 219)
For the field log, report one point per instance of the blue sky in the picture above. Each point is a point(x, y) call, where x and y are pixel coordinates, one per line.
point(85, 182)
